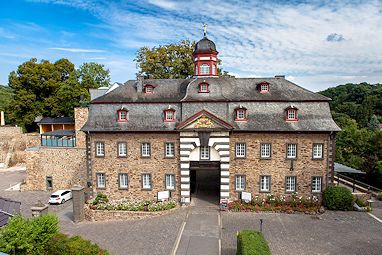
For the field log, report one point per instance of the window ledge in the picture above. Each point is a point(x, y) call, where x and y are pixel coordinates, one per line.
point(147, 189)
point(317, 159)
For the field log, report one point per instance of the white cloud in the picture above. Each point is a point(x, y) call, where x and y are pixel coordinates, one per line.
point(165, 4)
point(77, 50)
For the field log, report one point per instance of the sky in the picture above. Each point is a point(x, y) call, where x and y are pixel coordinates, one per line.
point(316, 44)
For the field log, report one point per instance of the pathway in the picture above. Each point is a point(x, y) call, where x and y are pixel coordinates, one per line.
point(201, 231)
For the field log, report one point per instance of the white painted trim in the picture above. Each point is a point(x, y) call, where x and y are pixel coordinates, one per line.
point(187, 146)
point(224, 153)
point(185, 153)
point(222, 146)
point(204, 58)
point(224, 194)
point(184, 192)
point(224, 159)
point(185, 179)
point(224, 173)
point(184, 159)
point(224, 166)
point(218, 140)
point(224, 187)
point(184, 186)
point(189, 140)
point(185, 172)
point(187, 200)
point(224, 180)
point(184, 165)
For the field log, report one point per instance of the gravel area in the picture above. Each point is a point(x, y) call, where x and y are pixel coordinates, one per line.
point(330, 233)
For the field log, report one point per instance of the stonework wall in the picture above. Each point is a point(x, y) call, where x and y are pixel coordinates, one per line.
point(278, 167)
point(66, 166)
point(80, 118)
point(134, 165)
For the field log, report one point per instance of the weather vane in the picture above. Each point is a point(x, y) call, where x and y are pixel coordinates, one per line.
point(205, 29)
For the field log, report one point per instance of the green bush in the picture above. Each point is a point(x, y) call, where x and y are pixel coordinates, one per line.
point(337, 198)
point(61, 244)
point(251, 242)
point(28, 236)
point(360, 202)
point(100, 199)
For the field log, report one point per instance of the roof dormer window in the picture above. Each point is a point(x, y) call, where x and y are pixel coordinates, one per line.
point(203, 87)
point(291, 114)
point(264, 87)
point(122, 115)
point(169, 115)
point(148, 89)
point(241, 114)
point(204, 69)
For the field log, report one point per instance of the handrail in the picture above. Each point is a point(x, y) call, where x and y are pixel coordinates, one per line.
point(359, 183)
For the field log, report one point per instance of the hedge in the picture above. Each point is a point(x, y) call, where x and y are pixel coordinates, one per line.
point(337, 198)
point(251, 242)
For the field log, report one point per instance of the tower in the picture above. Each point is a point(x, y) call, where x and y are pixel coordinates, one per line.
point(205, 57)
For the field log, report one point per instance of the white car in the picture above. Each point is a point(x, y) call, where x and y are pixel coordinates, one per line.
point(60, 196)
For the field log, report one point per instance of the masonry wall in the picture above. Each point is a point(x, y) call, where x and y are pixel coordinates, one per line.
point(80, 118)
point(134, 165)
point(66, 166)
point(278, 167)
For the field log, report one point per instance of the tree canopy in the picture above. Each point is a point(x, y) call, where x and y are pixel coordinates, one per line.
point(170, 61)
point(51, 89)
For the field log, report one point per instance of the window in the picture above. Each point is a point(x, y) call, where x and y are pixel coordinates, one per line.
point(122, 116)
point(100, 149)
point(291, 114)
point(214, 69)
point(204, 69)
point(292, 150)
point(122, 149)
point(240, 150)
point(204, 153)
point(170, 181)
point(101, 180)
point(149, 89)
point(318, 151)
point(123, 181)
point(49, 182)
point(145, 150)
point(169, 115)
point(169, 150)
point(264, 87)
point(146, 181)
point(316, 183)
point(290, 184)
point(241, 114)
point(265, 150)
point(203, 87)
point(240, 182)
point(265, 183)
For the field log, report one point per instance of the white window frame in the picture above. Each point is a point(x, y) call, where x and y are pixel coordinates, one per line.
point(149, 89)
point(214, 69)
point(240, 150)
point(264, 87)
point(145, 150)
point(241, 114)
point(318, 151)
point(169, 150)
point(205, 152)
point(122, 115)
point(265, 183)
point(239, 182)
point(122, 149)
point(100, 149)
point(170, 181)
point(146, 181)
point(203, 87)
point(169, 115)
point(290, 184)
point(316, 184)
point(265, 150)
point(292, 114)
point(101, 180)
point(123, 180)
point(291, 150)
point(204, 69)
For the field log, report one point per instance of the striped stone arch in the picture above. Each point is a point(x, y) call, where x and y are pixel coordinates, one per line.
point(190, 141)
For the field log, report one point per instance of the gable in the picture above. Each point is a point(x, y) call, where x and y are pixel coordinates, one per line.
point(204, 120)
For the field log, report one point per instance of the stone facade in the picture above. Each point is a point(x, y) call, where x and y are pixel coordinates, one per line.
point(66, 166)
point(80, 118)
point(134, 165)
point(278, 166)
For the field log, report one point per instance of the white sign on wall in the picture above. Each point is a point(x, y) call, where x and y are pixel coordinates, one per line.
point(163, 195)
point(246, 196)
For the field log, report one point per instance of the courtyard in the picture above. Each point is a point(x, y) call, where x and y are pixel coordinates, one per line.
point(188, 229)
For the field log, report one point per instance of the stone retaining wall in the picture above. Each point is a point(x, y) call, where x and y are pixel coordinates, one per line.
point(104, 215)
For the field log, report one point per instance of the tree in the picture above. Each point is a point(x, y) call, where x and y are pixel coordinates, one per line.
point(373, 123)
point(170, 61)
point(93, 75)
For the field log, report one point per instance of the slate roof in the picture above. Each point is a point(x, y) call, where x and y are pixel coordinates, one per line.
point(58, 120)
point(8, 208)
point(266, 111)
point(204, 45)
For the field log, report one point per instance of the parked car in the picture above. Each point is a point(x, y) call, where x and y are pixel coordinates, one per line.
point(60, 197)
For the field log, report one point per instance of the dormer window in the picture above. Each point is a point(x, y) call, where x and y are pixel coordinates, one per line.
point(203, 87)
point(291, 114)
point(204, 69)
point(169, 115)
point(122, 116)
point(241, 114)
point(264, 87)
point(148, 89)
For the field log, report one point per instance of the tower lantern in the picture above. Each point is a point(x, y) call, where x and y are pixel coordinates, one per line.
point(205, 57)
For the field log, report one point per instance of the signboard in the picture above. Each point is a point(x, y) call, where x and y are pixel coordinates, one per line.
point(163, 195)
point(223, 204)
point(246, 196)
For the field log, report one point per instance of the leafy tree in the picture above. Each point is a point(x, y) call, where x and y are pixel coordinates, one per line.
point(6, 94)
point(93, 75)
point(170, 61)
point(373, 123)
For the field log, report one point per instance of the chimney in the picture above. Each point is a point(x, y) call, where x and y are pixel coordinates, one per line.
point(280, 76)
point(140, 79)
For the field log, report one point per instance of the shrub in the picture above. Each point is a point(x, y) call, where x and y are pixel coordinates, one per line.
point(250, 242)
point(360, 202)
point(100, 199)
point(28, 236)
point(337, 198)
point(61, 244)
